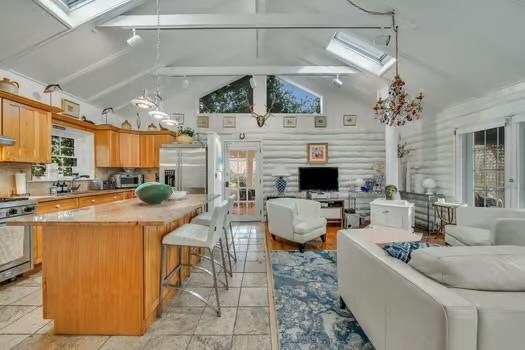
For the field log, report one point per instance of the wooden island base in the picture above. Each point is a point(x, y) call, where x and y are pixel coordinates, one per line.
point(101, 264)
point(104, 278)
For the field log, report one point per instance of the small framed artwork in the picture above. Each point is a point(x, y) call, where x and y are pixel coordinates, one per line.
point(228, 122)
point(317, 153)
point(320, 121)
point(289, 122)
point(203, 122)
point(71, 109)
point(349, 120)
point(178, 117)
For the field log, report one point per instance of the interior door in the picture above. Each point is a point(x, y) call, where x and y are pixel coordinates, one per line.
point(243, 179)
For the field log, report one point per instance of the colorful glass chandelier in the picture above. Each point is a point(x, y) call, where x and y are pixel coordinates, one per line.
point(398, 109)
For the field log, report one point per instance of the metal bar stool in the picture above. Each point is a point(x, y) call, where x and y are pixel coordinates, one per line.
point(204, 219)
point(196, 236)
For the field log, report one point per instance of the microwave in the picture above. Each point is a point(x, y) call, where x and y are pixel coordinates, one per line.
point(127, 180)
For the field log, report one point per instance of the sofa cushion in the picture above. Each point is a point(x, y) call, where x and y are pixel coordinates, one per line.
point(493, 268)
point(469, 235)
point(304, 225)
point(403, 250)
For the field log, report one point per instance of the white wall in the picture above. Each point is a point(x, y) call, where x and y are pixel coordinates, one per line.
point(353, 149)
point(433, 142)
point(34, 90)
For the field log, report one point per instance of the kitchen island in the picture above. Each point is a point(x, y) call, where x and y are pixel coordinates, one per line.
point(101, 264)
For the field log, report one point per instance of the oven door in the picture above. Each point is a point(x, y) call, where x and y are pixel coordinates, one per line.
point(129, 181)
point(16, 252)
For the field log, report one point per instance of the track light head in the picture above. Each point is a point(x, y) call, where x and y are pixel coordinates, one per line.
point(135, 39)
point(185, 83)
point(337, 82)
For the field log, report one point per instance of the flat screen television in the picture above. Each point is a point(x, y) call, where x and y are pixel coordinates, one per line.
point(319, 179)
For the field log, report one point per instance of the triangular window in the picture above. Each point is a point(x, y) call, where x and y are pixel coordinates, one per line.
point(285, 97)
point(236, 97)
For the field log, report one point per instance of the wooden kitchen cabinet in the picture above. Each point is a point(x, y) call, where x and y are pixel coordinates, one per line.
point(129, 150)
point(148, 151)
point(107, 149)
point(31, 128)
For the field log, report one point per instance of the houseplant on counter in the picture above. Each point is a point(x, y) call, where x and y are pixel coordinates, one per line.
point(185, 135)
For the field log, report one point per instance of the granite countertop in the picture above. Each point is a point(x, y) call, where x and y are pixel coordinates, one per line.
point(129, 212)
point(49, 198)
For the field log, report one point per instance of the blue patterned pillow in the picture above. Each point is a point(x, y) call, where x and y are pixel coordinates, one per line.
point(403, 251)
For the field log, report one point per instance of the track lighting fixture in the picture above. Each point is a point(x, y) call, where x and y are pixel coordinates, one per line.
point(337, 82)
point(135, 39)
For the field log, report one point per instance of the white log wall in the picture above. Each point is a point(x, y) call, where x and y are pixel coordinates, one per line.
point(432, 139)
point(353, 151)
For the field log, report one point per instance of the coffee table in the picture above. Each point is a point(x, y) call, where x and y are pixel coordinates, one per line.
point(382, 234)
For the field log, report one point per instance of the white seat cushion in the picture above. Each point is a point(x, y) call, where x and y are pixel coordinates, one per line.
point(304, 225)
point(469, 235)
point(494, 268)
point(189, 235)
point(202, 219)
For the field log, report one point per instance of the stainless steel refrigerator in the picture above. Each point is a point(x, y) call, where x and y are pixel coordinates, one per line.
point(184, 167)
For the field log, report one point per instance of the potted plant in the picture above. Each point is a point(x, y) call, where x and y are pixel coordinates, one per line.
point(185, 135)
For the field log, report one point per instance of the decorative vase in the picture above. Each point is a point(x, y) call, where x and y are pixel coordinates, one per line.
point(280, 185)
point(126, 125)
point(153, 192)
point(184, 139)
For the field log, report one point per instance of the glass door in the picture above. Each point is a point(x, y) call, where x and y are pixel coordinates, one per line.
point(243, 179)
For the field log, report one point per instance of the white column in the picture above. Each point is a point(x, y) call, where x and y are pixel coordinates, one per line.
point(391, 141)
point(391, 161)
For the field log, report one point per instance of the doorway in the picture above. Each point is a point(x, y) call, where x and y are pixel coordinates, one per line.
point(243, 178)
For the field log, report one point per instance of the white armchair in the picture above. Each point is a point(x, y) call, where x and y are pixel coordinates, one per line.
point(297, 220)
point(487, 226)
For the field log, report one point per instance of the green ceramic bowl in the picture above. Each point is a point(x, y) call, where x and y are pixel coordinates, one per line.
point(153, 192)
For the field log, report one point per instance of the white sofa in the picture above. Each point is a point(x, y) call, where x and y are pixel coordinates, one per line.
point(297, 220)
point(401, 309)
point(487, 226)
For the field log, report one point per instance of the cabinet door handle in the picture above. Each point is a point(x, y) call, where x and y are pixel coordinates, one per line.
point(92, 201)
point(115, 197)
point(57, 206)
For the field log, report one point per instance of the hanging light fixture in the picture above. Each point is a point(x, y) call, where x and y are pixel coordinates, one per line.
point(158, 114)
point(169, 122)
point(398, 109)
point(144, 102)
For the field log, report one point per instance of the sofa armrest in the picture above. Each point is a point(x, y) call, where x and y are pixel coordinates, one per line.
point(280, 219)
point(509, 231)
point(398, 307)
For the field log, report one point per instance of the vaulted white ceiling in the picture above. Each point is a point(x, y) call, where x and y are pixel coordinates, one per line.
point(454, 50)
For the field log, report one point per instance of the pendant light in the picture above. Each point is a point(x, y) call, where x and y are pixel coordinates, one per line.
point(397, 109)
point(144, 102)
point(169, 122)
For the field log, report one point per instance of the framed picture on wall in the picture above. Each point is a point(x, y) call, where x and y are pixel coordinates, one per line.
point(349, 120)
point(71, 109)
point(203, 122)
point(228, 122)
point(320, 121)
point(178, 117)
point(317, 153)
point(289, 122)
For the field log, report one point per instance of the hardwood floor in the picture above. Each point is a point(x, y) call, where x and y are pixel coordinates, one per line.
point(331, 240)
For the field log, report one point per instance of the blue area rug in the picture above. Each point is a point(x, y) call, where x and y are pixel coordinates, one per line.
point(307, 304)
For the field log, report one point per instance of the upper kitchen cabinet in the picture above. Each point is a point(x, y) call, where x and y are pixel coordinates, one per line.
point(30, 127)
point(118, 148)
point(107, 149)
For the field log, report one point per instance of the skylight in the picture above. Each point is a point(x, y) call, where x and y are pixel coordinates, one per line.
point(359, 53)
point(74, 3)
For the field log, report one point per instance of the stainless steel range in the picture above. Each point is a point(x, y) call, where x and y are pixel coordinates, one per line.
point(16, 242)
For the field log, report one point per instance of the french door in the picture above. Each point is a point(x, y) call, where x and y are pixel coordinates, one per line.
point(243, 167)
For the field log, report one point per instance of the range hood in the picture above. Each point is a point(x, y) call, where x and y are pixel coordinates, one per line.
point(6, 141)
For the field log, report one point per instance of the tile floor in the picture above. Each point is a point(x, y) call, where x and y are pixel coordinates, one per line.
point(186, 323)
